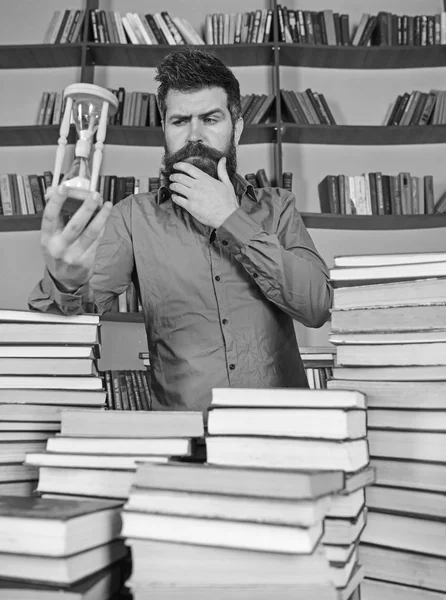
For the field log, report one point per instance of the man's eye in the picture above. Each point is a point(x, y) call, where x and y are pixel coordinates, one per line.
point(179, 122)
point(210, 120)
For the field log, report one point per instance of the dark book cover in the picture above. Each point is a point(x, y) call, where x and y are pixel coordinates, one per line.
point(160, 37)
point(287, 180)
point(62, 26)
point(262, 179)
point(429, 203)
point(329, 195)
point(345, 29)
point(337, 26)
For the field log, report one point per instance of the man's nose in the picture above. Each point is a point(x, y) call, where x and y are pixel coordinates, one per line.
point(195, 131)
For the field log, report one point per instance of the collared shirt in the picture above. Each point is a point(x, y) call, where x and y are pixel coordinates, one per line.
point(218, 304)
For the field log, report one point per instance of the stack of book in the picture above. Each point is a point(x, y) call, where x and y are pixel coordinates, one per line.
point(388, 324)
point(47, 365)
point(95, 456)
point(226, 532)
point(53, 549)
point(298, 429)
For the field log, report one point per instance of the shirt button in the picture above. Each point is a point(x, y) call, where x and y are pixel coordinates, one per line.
point(217, 278)
point(224, 321)
point(232, 367)
point(224, 242)
point(255, 275)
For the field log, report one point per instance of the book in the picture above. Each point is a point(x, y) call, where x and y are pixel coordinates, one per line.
point(99, 586)
point(347, 506)
point(92, 461)
point(343, 532)
point(47, 366)
point(381, 355)
point(406, 419)
point(55, 527)
point(222, 566)
point(427, 395)
point(121, 445)
point(377, 274)
point(359, 479)
point(393, 318)
point(424, 373)
point(316, 423)
point(15, 351)
point(277, 453)
point(405, 501)
point(45, 398)
point(285, 398)
point(410, 474)
point(260, 483)
point(50, 382)
point(404, 293)
point(404, 532)
point(395, 337)
point(154, 424)
point(29, 316)
point(61, 571)
point(408, 445)
point(385, 590)
point(399, 566)
point(225, 534)
point(376, 260)
point(48, 333)
point(274, 511)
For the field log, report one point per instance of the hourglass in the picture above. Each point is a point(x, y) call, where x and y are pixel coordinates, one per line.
point(90, 106)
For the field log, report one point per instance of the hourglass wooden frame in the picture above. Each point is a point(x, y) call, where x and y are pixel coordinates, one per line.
point(85, 91)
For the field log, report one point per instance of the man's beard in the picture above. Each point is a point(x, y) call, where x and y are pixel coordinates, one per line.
point(201, 156)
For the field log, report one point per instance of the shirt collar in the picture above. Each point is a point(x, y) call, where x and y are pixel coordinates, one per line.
point(241, 187)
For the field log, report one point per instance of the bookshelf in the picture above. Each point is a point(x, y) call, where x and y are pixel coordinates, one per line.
point(358, 82)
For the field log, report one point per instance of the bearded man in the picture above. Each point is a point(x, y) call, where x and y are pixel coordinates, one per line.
point(222, 268)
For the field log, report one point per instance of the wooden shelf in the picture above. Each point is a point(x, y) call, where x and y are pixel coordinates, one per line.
point(362, 57)
point(129, 55)
point(120, 135)
point(40, 56)
point(374, 222)
point(363, 135)
point(117, 317)
point(311, 220)
point(33, 135)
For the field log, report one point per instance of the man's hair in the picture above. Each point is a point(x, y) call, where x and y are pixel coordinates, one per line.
point(190, 70)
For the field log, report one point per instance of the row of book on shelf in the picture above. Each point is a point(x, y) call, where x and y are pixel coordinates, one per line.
point(417, 108)
point(379, 194)
point(25, 194)
point(383, 29)
point(325, 27)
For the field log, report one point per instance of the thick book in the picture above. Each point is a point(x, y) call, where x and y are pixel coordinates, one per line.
point(238, 481)
point(427, 395)
point(63, 571)
point(393, 337)
point(413, 502)
point(346, 506)
point(286, 398)
point(90, 461)
point(405, 533)
point(278, 453)
point(408, 445)
point(48, 333)
point(382, 355)
point(121, 445)
point(222, 566)
point(28, 316)
point(411, 474)
point(359, 479)
point(407, 419)
point(87, 482)
point(404, 293)
point(408, 568)
point(47, 366)
point(15, 351)
point(56, 527)
point(316, 423)
point(223, 534)
point(274, 511)
point(375, 274)
point(393, 319)
point(153, 424)
point(386, 590)
point(61, 382)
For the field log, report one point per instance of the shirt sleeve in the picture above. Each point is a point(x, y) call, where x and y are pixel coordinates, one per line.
point(112, 274)
point(283, 261)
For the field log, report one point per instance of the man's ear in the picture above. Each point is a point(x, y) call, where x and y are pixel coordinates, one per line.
point(238, 130)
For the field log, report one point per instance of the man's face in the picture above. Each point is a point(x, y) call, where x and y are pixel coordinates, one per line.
point(198, 129)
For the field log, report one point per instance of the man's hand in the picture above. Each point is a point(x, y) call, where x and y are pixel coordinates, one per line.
point(208, 200)
point(70, 251)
